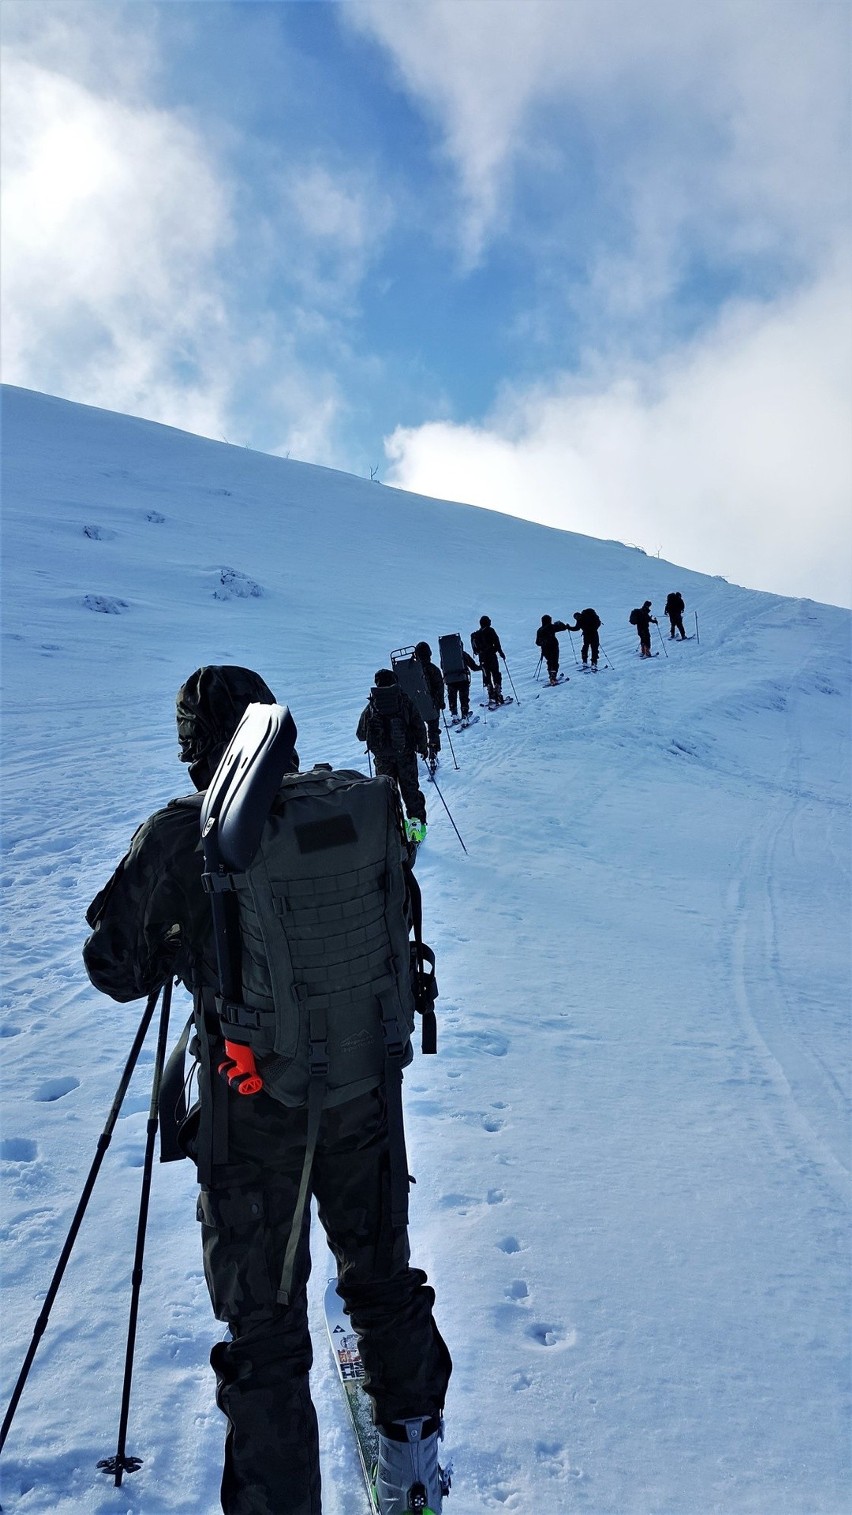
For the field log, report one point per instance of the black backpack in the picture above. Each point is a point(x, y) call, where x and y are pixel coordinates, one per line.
point(386, 727)
point(313, 907)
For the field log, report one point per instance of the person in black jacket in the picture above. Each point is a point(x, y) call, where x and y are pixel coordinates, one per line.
point(674, 610)
point(150, 922)
point(486, 646)
point(458, 688)
point(588, 622)
point(435, 685)
point(395, 732)
point(548, 642)
point(643, 620)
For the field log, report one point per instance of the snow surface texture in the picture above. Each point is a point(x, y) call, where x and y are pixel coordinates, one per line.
point(632, 1148)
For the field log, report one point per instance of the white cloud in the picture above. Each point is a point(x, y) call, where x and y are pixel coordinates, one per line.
point(732, 117)
point(112, 221)
point(733, 456)
point(136, 266)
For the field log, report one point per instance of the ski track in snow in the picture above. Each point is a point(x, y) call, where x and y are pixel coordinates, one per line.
point(631, 1151)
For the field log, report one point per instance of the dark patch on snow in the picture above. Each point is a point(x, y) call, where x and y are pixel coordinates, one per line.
point(104, 604)
point(234, 585)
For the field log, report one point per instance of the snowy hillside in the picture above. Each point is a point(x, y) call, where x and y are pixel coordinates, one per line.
point(632, 1150)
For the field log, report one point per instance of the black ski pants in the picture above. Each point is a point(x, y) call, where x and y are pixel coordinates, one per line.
point(591, 644)
point(404, 770)
point(459, 692)
point(271, 1445)
point(676, 623)
point(492, 676)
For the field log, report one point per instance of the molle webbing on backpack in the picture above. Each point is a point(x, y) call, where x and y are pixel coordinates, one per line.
point(324, 934)
point(386, 735)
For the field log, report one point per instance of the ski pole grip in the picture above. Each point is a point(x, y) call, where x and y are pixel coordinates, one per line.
point(239, 1070)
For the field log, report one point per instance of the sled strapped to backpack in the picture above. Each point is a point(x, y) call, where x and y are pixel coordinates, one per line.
point(243, 796)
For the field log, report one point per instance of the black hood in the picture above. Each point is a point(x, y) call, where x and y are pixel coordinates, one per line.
point(210, 706)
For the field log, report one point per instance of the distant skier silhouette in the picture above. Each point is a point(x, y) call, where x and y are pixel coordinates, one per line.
point(486, 645)
point(674, 610)
point(588, 621)
point(547, 640)
point(643, 620)
point(395, 732)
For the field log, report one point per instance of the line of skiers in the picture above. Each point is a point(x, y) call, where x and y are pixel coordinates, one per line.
point(396, 732)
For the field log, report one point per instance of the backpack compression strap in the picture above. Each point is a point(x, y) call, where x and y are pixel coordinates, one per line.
point(423, 981)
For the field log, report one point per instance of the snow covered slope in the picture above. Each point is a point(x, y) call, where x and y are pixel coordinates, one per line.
point(632, 1149)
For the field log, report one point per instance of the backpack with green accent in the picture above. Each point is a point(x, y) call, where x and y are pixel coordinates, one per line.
point(324, 923)
point(313, 906)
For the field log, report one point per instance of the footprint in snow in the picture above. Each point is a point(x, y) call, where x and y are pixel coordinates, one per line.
point(510, 1245)
point(548, 1335)
point(518, 1290)
point(55, 1088)
point(18, 1149)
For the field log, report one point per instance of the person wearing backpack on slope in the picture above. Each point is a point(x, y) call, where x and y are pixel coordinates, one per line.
point(435, 685)
point(643, 620)
point(395, 732)
point(153, 920)
point(548, 643)
point(486, 646)
point(588, 622)
point(674, 610)
point(458, 689)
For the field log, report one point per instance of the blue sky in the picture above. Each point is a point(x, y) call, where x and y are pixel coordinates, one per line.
point(574, 259)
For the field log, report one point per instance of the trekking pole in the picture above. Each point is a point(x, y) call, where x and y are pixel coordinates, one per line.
point(573, 649)
point(537, 667)
point(449, 738)
point(103, 1142)
point(697, 637)
point(369, 762)
point(607, 662)
point(447, 808)
point(512, 682)
point(662, 643)
point(121, 1463)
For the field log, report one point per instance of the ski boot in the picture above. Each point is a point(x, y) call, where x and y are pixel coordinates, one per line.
point(408, 1479)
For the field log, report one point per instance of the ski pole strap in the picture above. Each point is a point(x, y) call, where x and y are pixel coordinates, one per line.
point(172, 1109)
point(316, 1099)
point(213, 1116)
point(398, 1158)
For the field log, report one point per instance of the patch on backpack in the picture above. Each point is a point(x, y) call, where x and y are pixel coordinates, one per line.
point(317, 836)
